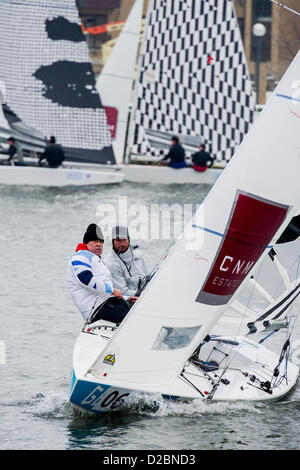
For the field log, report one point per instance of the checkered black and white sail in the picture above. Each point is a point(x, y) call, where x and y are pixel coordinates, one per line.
point(49, 79)
point(193, 79)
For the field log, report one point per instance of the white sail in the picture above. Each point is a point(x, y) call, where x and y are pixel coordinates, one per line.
point(116, 79)
point(193, 80)
point(244, 214)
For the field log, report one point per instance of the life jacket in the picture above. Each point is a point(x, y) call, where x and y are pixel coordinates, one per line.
point(81, 246)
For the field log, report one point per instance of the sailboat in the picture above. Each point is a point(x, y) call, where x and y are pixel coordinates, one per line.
point(48, 88)
point(192, 82)
point(172, 342)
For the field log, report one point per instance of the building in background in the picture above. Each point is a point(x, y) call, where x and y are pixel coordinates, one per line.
point(102, 21)
point(280, 43)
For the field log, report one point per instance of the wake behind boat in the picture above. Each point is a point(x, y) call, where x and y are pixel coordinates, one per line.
point(172, 341)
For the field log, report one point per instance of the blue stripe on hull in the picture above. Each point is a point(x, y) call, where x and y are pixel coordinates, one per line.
point(73, 380)
point(100, 398)
point(170, 397)
point(89, 395)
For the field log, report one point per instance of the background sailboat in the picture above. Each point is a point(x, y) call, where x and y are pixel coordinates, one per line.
point(193, 80)
point(49, 82)
point(189, 55)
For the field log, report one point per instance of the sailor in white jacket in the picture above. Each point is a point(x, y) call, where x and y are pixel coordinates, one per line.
point(91, 284)
point(125, 263)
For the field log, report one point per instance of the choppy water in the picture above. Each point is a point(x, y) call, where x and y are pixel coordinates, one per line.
point(39, 324)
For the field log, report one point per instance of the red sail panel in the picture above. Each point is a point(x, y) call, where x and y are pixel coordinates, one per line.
point(112, 120)
point(251, 226)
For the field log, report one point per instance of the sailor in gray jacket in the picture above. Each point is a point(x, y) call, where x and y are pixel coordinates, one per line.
point(125, 263)
point(91, 284)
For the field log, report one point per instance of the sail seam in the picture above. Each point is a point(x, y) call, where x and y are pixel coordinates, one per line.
point(215, 233)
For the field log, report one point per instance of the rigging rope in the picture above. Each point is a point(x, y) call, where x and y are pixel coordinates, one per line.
point(285, 352)
point(276, 379)
point(229, 357)
point(285, 7)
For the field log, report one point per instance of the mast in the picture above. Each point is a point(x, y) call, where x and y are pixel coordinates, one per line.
point(131, 123)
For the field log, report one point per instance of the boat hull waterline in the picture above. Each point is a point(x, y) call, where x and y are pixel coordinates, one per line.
point(35, 176)
point(249, 369)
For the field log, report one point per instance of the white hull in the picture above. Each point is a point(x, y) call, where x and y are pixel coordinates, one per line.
point(57, 177)
point(80, 174)
point(251, 366)
point(165, 175)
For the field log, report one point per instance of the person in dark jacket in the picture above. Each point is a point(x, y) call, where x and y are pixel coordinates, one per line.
point(54, 154)
point(176, 155)
point(14, 151)
point(201, 158)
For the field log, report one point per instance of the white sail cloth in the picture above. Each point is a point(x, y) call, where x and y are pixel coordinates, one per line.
point(244, 214)
point(116, 79)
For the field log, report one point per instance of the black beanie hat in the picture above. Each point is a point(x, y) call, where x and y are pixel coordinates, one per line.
point(93, 232)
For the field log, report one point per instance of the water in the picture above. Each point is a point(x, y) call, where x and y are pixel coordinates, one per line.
point(39, 325)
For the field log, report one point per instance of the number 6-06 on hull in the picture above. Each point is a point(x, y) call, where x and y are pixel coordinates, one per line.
point(96, 398)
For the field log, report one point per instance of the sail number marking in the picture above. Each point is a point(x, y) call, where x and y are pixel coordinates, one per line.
point(98, 399)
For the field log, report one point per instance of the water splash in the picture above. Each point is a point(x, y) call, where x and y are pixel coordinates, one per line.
point(160, 407)
point(55, 405)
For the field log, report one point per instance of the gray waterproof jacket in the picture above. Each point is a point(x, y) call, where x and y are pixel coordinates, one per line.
point(126, 269)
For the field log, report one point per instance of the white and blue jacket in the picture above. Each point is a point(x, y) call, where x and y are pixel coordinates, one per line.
point(90, 281)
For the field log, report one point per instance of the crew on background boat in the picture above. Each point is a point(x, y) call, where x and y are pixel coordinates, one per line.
point(14, 151)
point(176, 155)
point(53, 153)
point(125, 262)
point(91, 284)
point(201, 158)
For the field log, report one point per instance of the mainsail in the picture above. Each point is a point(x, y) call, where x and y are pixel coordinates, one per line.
point(193, 80)
point(116, 79)
point(48, 77)
point(244, 215)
